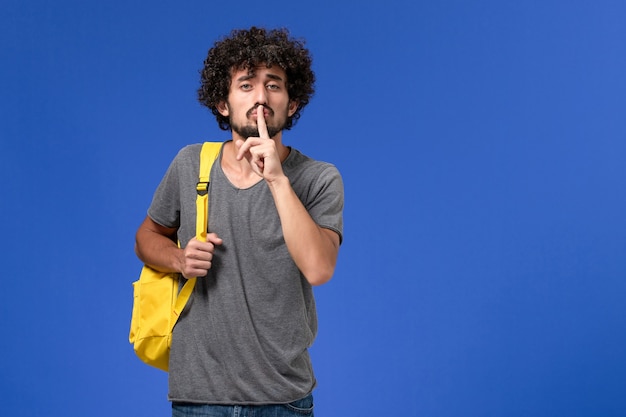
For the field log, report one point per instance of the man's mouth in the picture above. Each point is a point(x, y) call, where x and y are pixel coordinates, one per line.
point(267, 112)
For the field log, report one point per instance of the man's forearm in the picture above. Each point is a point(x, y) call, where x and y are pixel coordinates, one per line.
point(155, 248)
point(313, 249)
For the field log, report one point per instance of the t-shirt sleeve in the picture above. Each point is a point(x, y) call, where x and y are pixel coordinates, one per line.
point(165, 206)
point(174, 201)
point(326, 204)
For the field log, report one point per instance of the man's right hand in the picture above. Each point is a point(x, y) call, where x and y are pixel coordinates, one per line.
point(198, 256)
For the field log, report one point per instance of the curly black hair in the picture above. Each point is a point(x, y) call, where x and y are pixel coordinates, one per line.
point(246, 49)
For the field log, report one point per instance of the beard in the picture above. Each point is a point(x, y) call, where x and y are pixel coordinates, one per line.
point(250, 131)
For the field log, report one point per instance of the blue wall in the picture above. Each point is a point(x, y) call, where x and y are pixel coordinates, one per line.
point(482, 146)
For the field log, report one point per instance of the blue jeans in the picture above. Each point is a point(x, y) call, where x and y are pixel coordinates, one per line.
point(299, 408)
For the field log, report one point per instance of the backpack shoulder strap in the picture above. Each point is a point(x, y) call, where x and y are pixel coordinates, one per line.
point(208, 155)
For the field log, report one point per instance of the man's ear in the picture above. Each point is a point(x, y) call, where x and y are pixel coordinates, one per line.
point(293, 106)
point(222, 108)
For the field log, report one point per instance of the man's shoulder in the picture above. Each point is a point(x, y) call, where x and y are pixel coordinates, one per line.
point(189, 154)
point(190, 150)
point(299, 159)
point(305, 171)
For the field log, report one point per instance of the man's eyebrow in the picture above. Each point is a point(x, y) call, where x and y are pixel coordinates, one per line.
point(275, 77)
point(250, 76)
point(246, 77)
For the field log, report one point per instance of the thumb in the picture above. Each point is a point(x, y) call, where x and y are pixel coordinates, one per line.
point(214, 239)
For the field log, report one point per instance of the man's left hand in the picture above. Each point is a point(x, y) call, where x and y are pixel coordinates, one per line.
point(261, 152)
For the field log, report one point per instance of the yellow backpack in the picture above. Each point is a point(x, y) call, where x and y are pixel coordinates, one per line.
point(157, 303)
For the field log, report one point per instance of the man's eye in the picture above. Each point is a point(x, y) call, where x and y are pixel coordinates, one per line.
point(246, 86)
point(272, 87)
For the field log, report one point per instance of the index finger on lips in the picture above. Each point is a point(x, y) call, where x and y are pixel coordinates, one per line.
point(260, 121)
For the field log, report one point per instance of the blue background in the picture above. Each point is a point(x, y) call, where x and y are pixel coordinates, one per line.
point(482, 146)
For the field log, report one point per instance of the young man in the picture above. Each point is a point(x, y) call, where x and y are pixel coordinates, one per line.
point(275, 222)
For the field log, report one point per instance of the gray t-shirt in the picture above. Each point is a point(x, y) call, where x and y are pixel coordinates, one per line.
point(244, 335)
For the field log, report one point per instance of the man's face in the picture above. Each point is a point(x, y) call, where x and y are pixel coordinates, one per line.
point(251, 89)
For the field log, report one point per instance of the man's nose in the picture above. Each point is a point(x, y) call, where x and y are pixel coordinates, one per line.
point(261, 97)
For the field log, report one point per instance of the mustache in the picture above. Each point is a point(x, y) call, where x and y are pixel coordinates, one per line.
point(269, 109)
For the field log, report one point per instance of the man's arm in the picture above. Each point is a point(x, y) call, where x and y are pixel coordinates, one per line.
point(313, 248)
point(155, 245)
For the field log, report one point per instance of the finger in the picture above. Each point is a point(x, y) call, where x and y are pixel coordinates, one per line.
point(238, 144)
point(199, 269)
point(193, 242)
point(243, 149)
point(260, 121)
point(197, 249)
point(214, 239)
